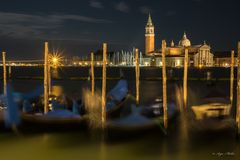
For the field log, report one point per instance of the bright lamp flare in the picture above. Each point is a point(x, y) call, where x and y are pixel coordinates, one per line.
point(55, 59)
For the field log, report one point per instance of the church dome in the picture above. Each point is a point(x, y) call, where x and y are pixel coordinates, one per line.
point(185, 42)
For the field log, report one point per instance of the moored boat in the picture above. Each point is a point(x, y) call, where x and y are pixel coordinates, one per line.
point(213, 114)
point(60, 118)
point(142, 119)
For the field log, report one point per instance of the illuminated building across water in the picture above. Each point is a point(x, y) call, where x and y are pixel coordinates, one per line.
point(199, 55)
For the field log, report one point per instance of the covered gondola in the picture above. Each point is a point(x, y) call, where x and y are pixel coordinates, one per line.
point(213, 114)
point(142, 119)
point(59, 118)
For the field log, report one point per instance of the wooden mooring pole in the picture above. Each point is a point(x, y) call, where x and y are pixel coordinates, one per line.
point(46, 80)
point(92, 73)
point(4, 73)
point(232, 77)
point(185, 78)
point(104, 84)
point(49, 79)
point(164, 83)
point(238, 92)
point(137, 75)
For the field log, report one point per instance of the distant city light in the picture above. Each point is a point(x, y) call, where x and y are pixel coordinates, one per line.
point(178, 63)
point(226, 65)
point(124, 63)
point(146, 63)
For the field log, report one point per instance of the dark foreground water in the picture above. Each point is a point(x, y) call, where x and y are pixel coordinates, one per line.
point(179, 144)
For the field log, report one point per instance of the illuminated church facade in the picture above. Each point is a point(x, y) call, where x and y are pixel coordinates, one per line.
point(199, 55)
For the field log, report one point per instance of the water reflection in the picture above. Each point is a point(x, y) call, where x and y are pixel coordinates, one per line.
point(57, 90)
point(103, 150)
point(177, 145)
point(183, 135)
point(55, 73)
point(80, 146)
point(92, 104)
point(209, 75)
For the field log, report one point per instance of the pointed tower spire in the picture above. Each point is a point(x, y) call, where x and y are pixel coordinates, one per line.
point(149, 36)
point(184, 35)
point(172, 43)
point(149, 23)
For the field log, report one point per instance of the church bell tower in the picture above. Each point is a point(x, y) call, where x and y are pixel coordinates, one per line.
point(149, 36)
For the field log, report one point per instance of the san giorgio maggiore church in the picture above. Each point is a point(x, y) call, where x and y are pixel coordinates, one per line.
point(199, 55)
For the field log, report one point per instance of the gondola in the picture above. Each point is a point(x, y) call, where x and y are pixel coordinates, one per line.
point(213, 114)
point(142, 119)
point(62, 119)
point(19, 97)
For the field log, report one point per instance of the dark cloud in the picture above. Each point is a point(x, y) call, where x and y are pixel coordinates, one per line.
point(145, 10)
point(27, 25)
point(96, 4)
point(81, 26)
point(122, 7)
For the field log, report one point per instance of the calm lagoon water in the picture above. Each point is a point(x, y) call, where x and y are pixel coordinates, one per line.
point(147, 145)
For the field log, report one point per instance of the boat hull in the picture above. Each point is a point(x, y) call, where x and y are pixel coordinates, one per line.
point(42, 123)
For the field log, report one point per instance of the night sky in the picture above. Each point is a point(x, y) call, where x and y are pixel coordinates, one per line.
point(77, 27)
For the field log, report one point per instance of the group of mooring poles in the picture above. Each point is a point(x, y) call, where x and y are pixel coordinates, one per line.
point(185, 79)
point(47, 80)
point(164, 81)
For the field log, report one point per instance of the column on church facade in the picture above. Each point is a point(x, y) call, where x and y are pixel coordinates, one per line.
point(200, 57)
